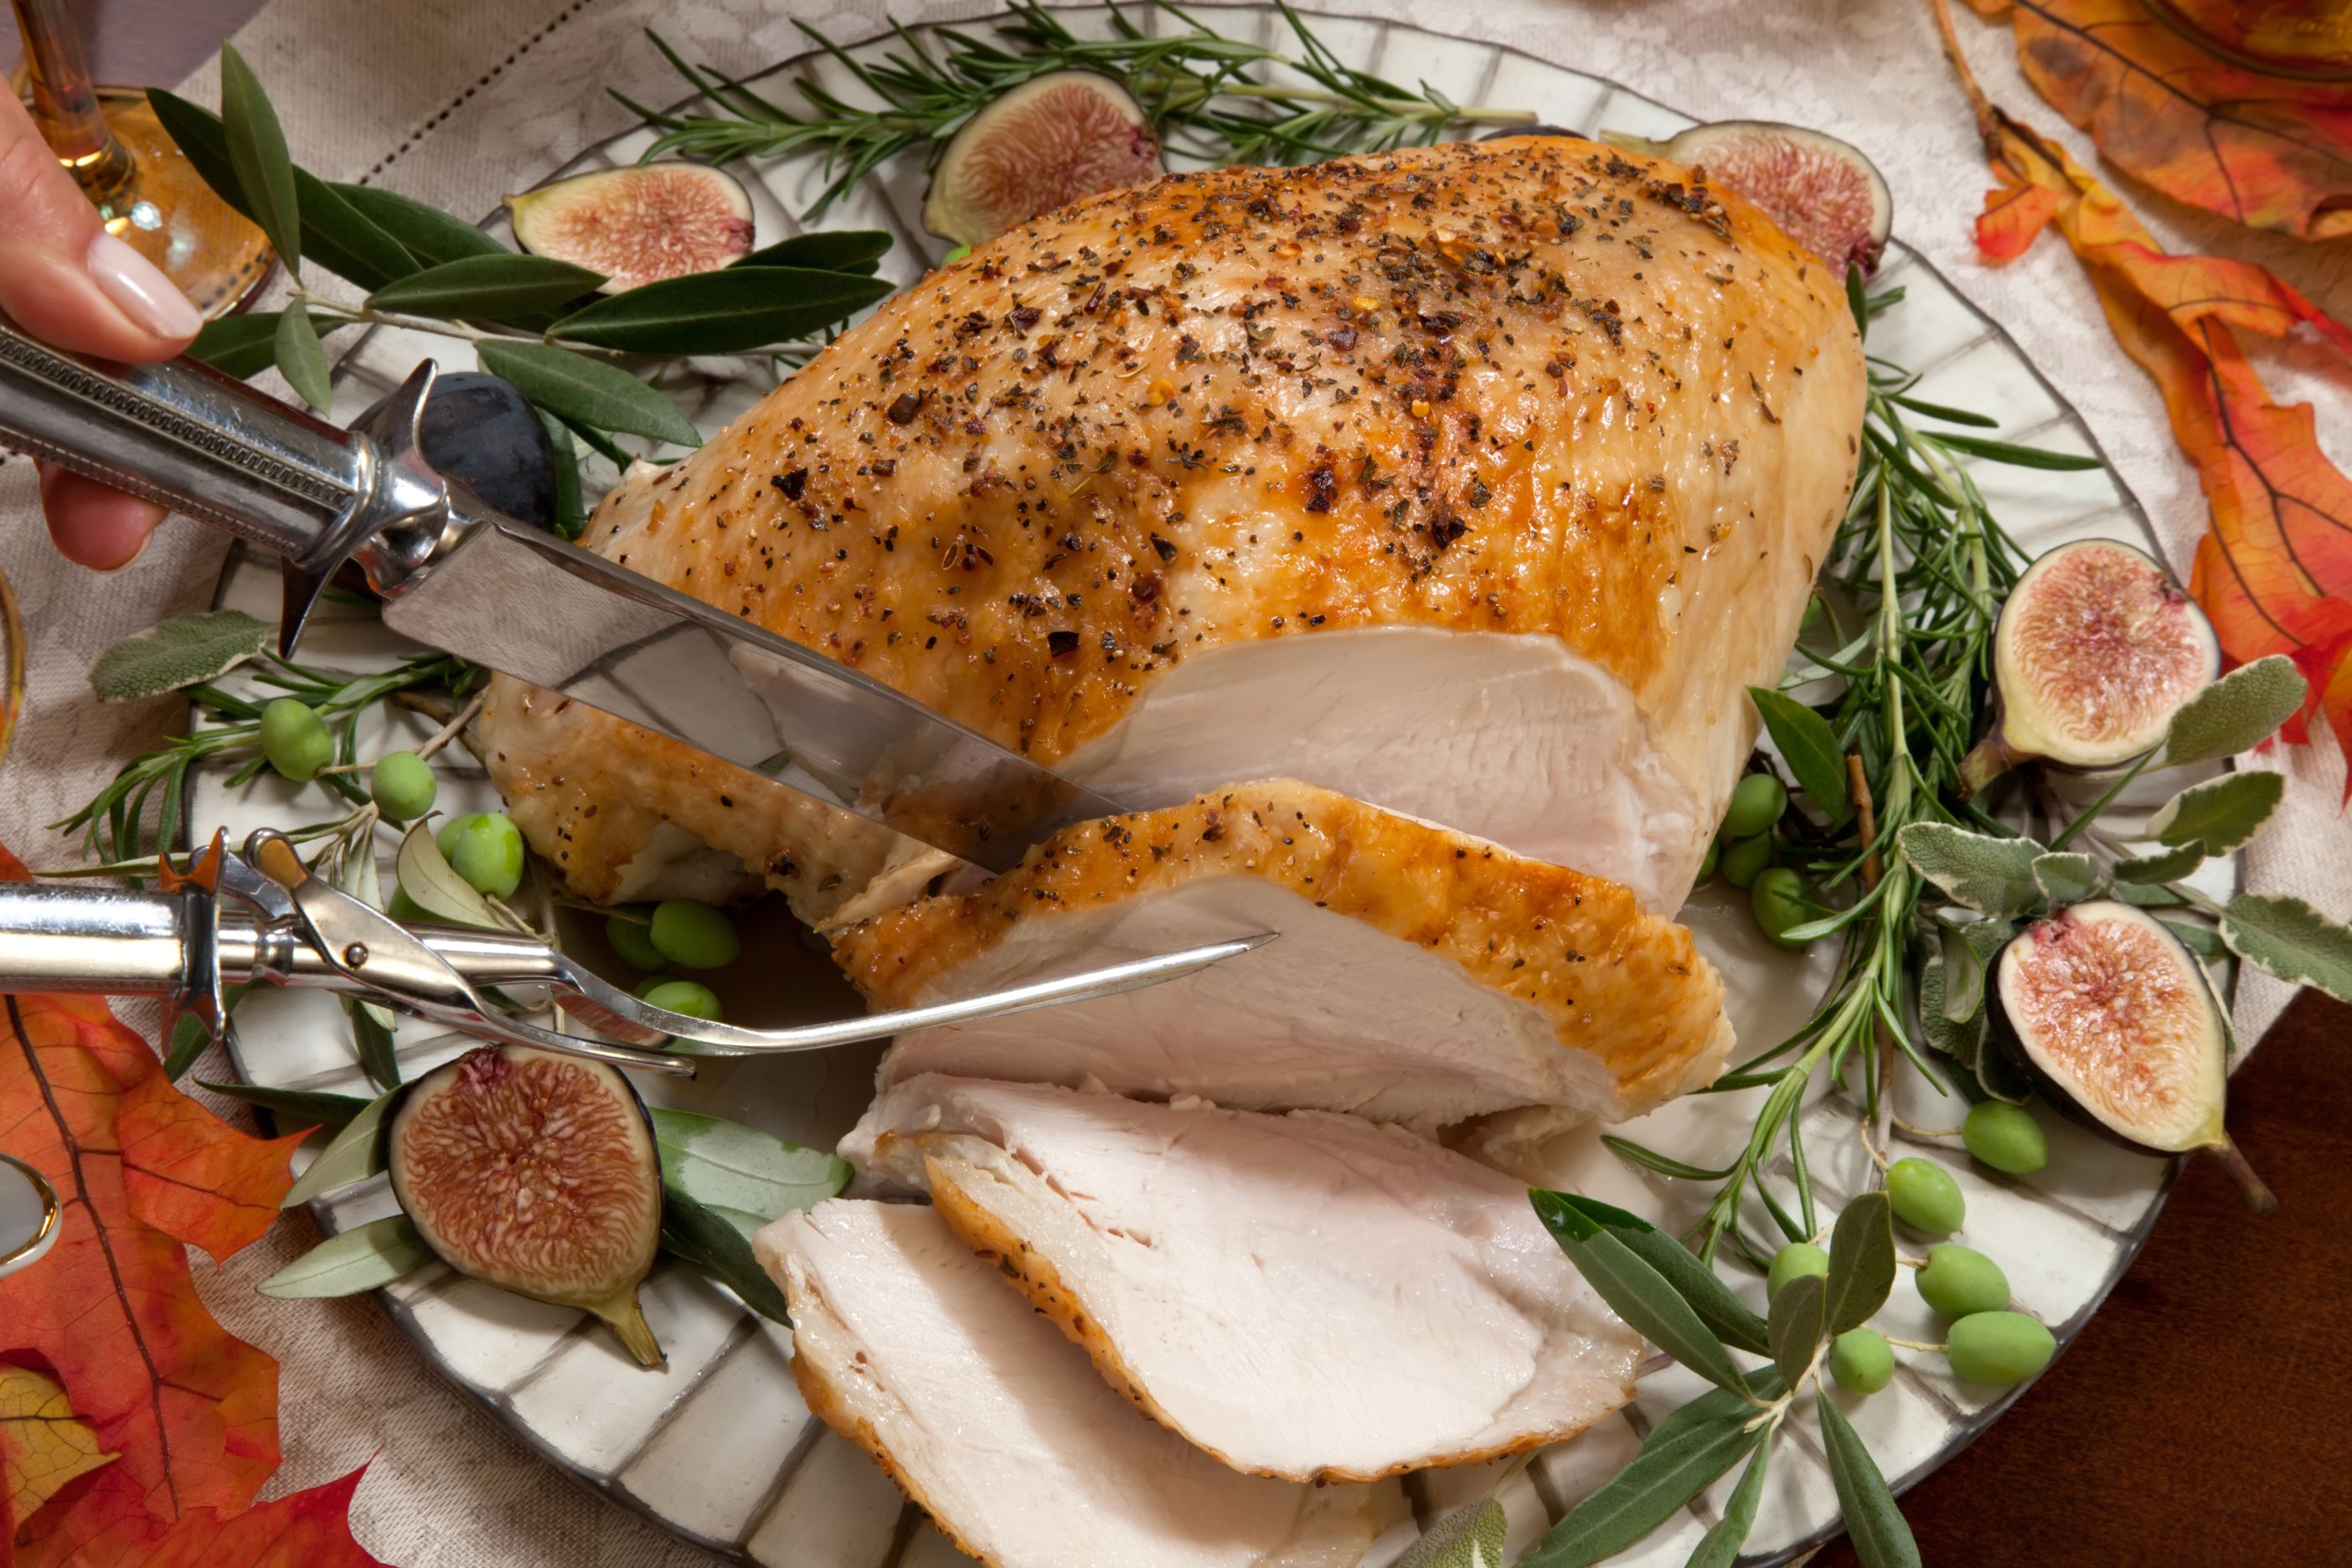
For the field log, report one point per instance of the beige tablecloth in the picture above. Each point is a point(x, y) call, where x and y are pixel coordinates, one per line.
point(461, 100)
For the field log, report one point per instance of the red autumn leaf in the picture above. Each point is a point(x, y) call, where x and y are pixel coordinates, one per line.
point(309, 1530)
point(2263, 150)
point(190, 1173)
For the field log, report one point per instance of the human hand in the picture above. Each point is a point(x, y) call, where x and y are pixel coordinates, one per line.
point(66, 280)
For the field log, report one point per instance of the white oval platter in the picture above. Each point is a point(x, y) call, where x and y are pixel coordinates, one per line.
point(718, 1447)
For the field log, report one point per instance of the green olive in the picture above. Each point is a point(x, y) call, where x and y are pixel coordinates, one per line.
point(294, 739)
point(958, 254)
point(628, 933)
point(1777, 898)
point(686, 996)
point(400, 907)
point(447, 838)
point(488, 852)
point(1959, 1283)
point(1862, 1361)
point(1744, 857)
point(2000, 1348)
point(1707, 861)
point(1795, 1261)
point(1757, 802)
point(693, 934)
point(2006, 1137)
point(402, 786)
point(1925, 1196)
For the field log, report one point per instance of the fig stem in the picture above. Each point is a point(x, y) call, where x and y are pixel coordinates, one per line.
point(2259, 1198)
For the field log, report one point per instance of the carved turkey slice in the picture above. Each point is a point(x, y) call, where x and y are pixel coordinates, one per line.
point(1309, 1295)
point(1422, 978)
point(1476, 482)
point(915, 1349)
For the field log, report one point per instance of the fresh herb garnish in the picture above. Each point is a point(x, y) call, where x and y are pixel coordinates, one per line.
point(1206, 96)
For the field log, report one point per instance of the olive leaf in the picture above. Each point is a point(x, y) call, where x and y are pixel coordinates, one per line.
point(372, 1042)
point(190, 1038)
point(1639, 1294)
point(587, 392)
point(1721, 1546)
point(256, 152)
point(1990, 875)
point(1683, 1455)
point(2067, 877)
point(2237, 712)
point(2222, 815)
point(2166, 866)
point(727, 311)
point(488, 288)
point(299, 1107)
point(1861, 1262)
point(353, 1155)
point(300, 358)
point(1475, 1536)
point(728, 1165)
point(718, 1242)
point(1796, 1325)
point(2291, 940)
point(1728, 1317)
point(1807, 744)
point(434, 885)
point(827, 251)
point(430, 235)
point(571, 510)
point(178, 653)
point(246, 345)
point(364, 1257)
point(1881, 1538)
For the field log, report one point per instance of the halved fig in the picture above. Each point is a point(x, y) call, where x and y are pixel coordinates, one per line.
point(2097, 648)
point(638, 224)
point(538, 1174)
point(1042, 145)
point(2112, 1017)
point(1824, 193)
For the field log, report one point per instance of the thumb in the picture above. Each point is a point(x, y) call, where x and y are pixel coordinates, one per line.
point(63, 278)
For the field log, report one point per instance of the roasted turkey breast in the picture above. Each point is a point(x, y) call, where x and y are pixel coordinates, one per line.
point(1423, 976)
point(1475, 481)
point(1309, 1295)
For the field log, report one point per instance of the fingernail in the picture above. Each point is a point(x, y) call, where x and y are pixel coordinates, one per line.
point(139, 287)
point(128, 561)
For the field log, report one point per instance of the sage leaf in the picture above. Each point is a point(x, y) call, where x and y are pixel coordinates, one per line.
point(256, 152)
point(1881, 1538)
point(2201, 940)
point(717, 1243)
point(1795, 1323)
point(2067, 877)
point(1966, 1042)
point(426, 232)
point(587, 392)
point(1474, 1536)
point(1726, 1316)
point(299, 1107)
point(2018, 457)
point(301, 360)
point(432, 884)
point(364, 1257)
point(727, 311)
point(1639, 1294)
point(1861, 1262)
point(177, 653)
point(1967, 951)
point(2291, 940)
point(353, 1155)
point(1720, 1547)
point(2141, 896)
point(488, 288)
point(728, 1165)
point(2237, 712)
point(1680, 1460)
point(1992, 876)
point(1807, 744)
point(2166, 866)
point(826, 250)
point(2222, 815)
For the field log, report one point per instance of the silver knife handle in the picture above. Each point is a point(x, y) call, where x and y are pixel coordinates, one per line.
point(191, 439)
point(73, 937)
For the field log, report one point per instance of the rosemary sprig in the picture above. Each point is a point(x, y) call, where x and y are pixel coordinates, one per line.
point(1207, 95)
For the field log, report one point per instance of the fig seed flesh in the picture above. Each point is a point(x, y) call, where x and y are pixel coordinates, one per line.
point(1822, 191)
point(1039, 146)
point(638, 224)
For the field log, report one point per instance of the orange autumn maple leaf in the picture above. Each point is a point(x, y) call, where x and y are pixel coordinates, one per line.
point(307, 1529)
point(2262, 149)
point(2274, 571)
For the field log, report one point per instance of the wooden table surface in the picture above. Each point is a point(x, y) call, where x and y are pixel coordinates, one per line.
point(2203, 1419)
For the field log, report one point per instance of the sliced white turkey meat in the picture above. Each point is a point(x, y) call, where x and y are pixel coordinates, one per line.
point(908, 1345)
point(1422, 976)
point(1308, 1296)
